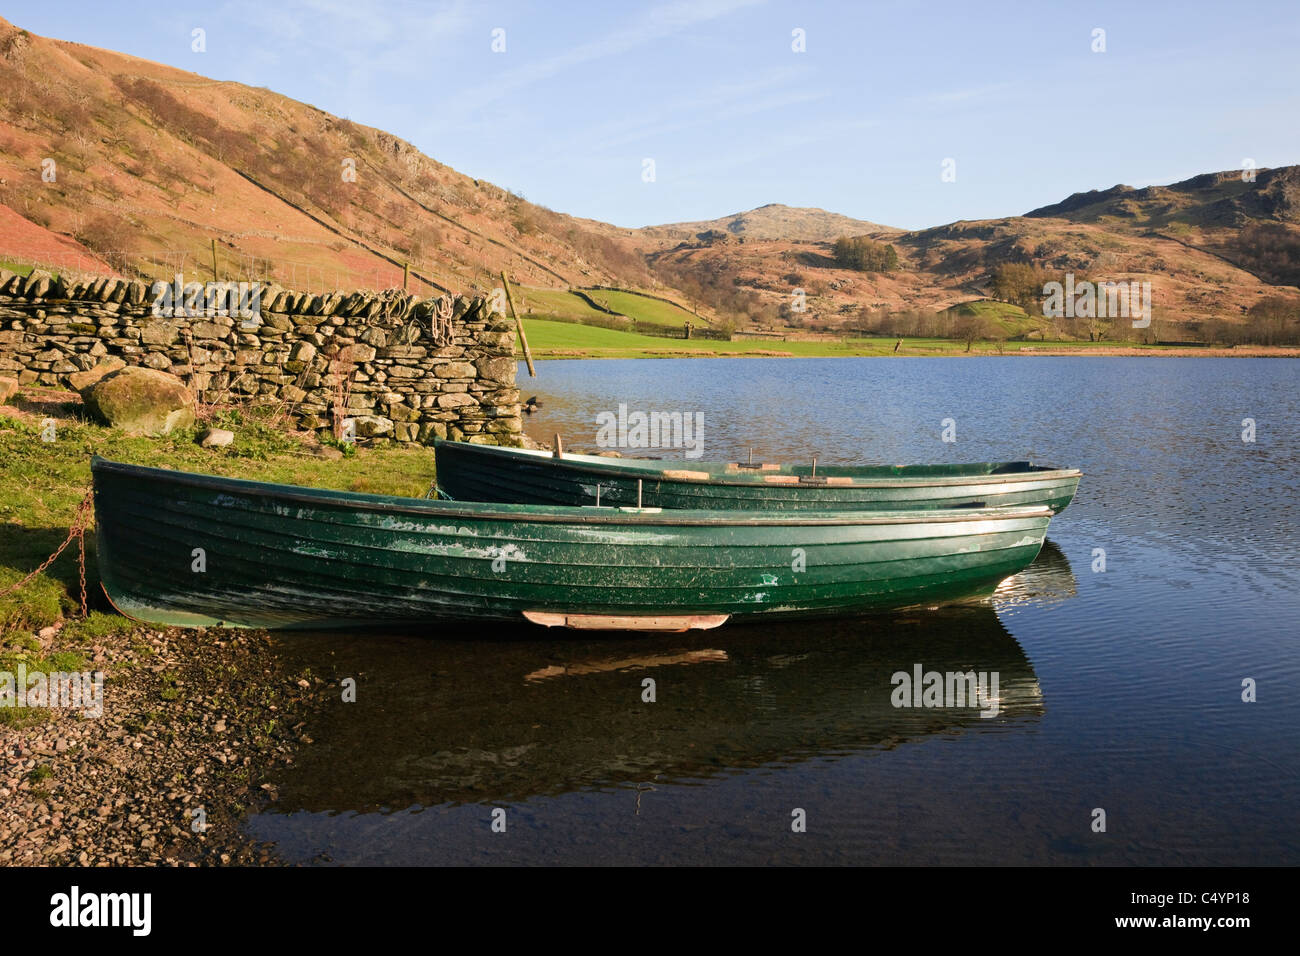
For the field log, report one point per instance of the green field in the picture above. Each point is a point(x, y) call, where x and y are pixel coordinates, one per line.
point(567, 340)
point(565, 305)
point(1011, 319)
point(558, 303)
point(645, 309)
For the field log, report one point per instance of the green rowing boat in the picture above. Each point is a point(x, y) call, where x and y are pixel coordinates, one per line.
point(490, 473)
point(186, 549)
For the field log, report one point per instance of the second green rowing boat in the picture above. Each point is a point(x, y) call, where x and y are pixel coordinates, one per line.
point(491, 473)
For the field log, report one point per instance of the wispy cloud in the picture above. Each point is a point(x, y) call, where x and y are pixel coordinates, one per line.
point(946, 97)
point(775, 90)
point(357, 42)
point(703, 170)
point(654, 24)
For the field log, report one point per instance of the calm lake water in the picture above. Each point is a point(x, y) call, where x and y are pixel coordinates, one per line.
point(1119, 689)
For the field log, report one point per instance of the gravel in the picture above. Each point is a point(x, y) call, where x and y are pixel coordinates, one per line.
point(195, 725)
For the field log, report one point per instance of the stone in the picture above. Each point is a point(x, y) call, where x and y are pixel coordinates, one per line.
point(38, 284)
point(357, 353)
point(141, 401)
point(267, 294)
point(303, 352)
point(159, 333)
point(136, 292)
point(372, 426)
point(208, 330)
point(216, 438)
point(454, 370)
point(497, 369)
point(83, 380)
point(8, 389)
point(403, 352)
point(403, 413)
point(455, 400)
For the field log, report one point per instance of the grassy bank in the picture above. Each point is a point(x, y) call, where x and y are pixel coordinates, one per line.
point(42, 482)
point(570, 307)
point(568, 340)
point(196, 725)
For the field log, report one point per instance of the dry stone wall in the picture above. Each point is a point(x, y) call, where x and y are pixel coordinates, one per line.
point(385, 366)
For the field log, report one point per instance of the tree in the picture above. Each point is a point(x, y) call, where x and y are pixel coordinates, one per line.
point(865, 255)
point(1020, 283)
point(971, 328)
point(1274, 320)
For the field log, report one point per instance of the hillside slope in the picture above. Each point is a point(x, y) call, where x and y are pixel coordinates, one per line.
point(1211, 247)
point(151, 163)
point(145, 165)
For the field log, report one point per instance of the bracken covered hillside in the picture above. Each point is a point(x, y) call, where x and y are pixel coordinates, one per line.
point(110, 162)
point(151, 162)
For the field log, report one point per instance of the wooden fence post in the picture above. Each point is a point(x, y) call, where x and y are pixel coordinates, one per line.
point(519, 322)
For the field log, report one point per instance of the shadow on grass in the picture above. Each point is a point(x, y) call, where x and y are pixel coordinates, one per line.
point(57, 590)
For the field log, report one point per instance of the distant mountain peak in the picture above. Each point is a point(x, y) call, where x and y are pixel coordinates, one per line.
point(777, 221)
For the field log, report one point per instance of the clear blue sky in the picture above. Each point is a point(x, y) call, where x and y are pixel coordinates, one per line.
point(733, 118)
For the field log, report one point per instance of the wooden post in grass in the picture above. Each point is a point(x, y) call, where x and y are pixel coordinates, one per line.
point(519, 322)
point(215, 277)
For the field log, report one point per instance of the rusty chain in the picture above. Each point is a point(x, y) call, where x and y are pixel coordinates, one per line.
point(77, 531)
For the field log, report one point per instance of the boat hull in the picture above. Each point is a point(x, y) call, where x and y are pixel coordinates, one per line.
point(194, 550)
point(489, 473)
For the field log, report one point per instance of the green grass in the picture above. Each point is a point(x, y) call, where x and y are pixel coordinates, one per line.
point(19, 648)
point(41, 484)
point(557, 302)
point(1011, 319)
point(645, 309)
point(21, 268)
point(566, 340)
point(560, 304)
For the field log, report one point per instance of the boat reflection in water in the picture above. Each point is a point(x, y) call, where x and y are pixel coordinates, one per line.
point(464, 720)
point(1048, 580)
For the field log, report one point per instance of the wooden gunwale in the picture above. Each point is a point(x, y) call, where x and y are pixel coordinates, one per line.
point(558, 514)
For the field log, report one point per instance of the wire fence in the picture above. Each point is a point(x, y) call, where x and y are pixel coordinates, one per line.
point(239, 267)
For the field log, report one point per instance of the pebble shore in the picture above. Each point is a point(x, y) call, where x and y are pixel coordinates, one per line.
point(195, 725)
